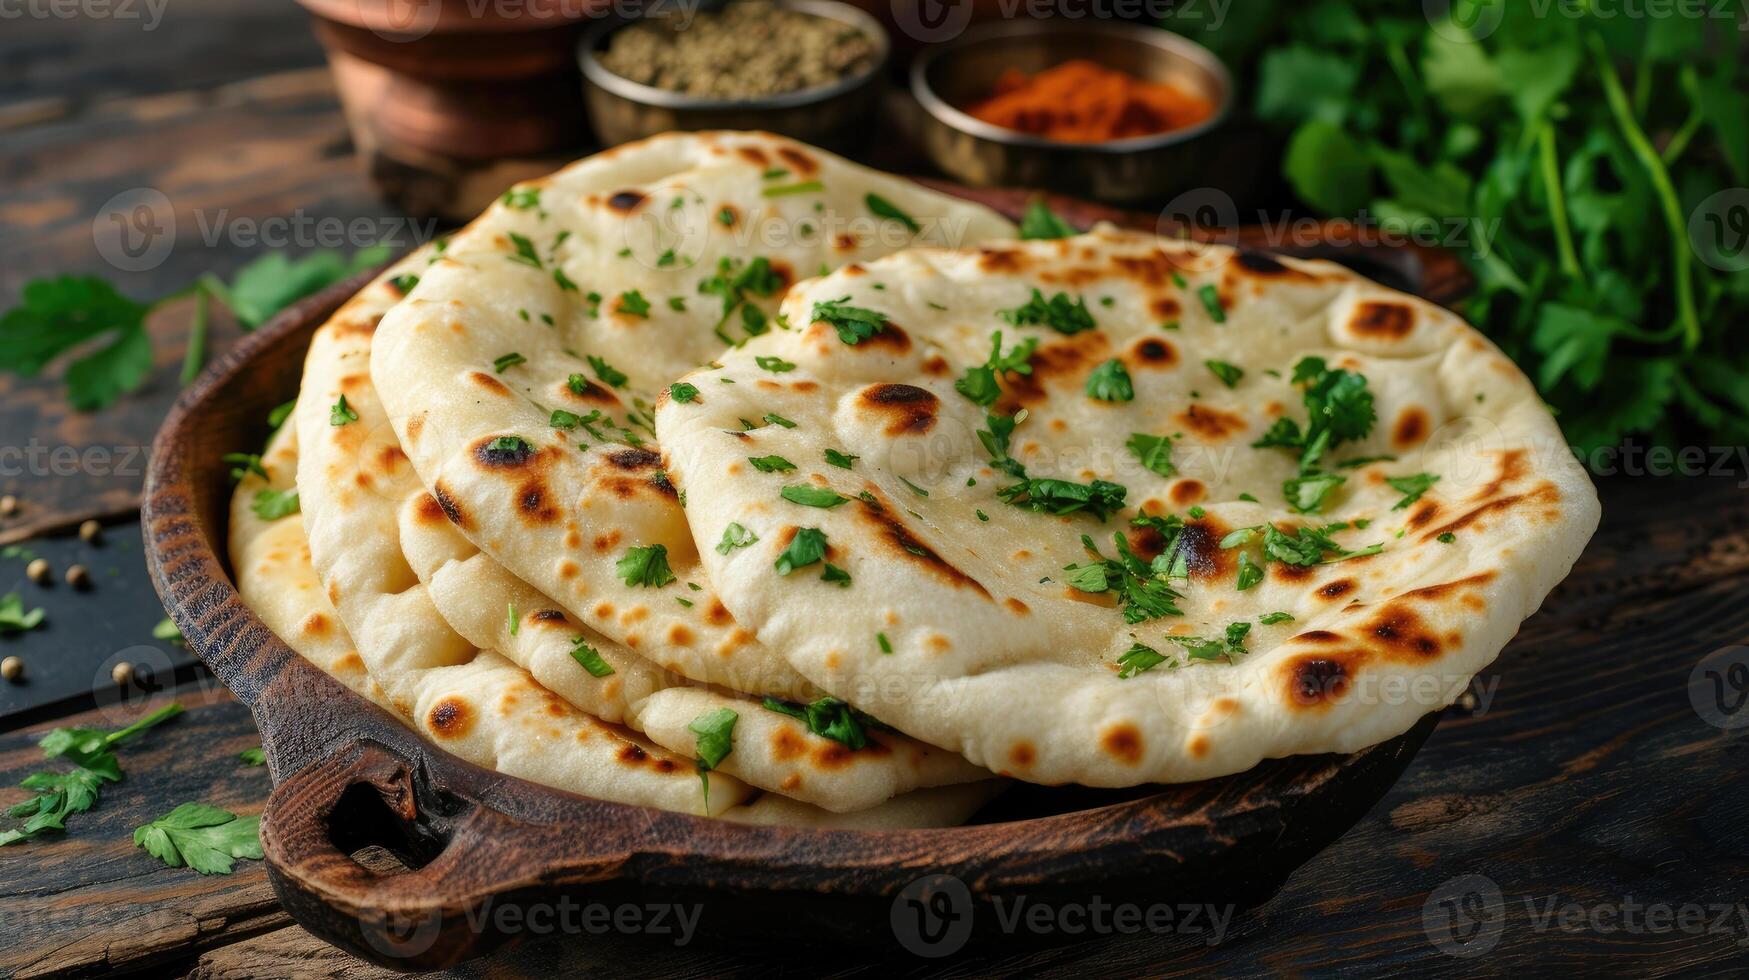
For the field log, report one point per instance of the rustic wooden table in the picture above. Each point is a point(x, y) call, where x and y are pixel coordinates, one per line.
point(1583, 814)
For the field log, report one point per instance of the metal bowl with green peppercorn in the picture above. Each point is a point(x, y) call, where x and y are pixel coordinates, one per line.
point(809, 69)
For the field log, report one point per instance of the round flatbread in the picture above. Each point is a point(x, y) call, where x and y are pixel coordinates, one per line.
point(521, 374)
point(490, 712)
point(1192, 509)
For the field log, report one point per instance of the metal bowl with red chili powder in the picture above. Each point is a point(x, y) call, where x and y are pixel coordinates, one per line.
point(1101, 109)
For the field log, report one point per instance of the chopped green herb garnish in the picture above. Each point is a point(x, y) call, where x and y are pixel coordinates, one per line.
point(771, 464)
point(809, 496)
point(841, 460)
point(1109, 382)
point(339, 414)
point(1057, 313)
point(980, 384)
point(509, 360)
point(1153, 452)
point(1270, 619)
point(271, 505)
point(1211, 301)
point(735, 536)
point(525, 252)
point(805, 187)
point(776, 365)
point(806, 548)
point(886, 209)
point(1137, 659)
point(633, 303)
point(682, 392)
point(1040, 221)
point(646, 567)
point(1411, 487)
point(589, 658)
point(1228, 373)
point(854, 324)
point(603, 370)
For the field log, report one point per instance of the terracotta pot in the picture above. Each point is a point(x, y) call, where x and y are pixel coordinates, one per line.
point(450, 101)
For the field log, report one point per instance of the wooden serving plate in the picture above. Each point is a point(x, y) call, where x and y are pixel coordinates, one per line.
point(397, 851)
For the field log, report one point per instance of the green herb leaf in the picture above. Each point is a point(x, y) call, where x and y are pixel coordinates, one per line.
point(884, 208)
point(682, 392)
point(1153, 452)
point(1228, 373)
point(771, 464)
point(735, 536)
point(645, 566)
point(589, 658)
point(715, 731)
point(1040, 221)
point(271, 505)
point(1411, 487)
point(841, 460)
point(1138, 659)
point(811, 496)
point(1057, 313)
point(807, 547)
point(854, 324)
point(1109, 382)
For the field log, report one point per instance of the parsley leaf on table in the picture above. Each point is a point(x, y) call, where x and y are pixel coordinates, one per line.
point(205, 838)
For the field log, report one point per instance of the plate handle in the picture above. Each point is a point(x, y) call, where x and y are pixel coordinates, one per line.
point(366, 850)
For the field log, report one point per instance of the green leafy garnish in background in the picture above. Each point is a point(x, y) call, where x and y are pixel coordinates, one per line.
point(88, 317)
point(1572, 160)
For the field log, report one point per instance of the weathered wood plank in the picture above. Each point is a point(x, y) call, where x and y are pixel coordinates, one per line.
point(243, 168)
point(89, 902)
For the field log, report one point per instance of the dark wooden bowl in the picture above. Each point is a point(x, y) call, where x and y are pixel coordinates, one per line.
point(407, 856)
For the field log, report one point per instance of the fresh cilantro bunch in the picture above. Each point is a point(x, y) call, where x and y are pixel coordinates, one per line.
point(88, 317)
point(1568, 157)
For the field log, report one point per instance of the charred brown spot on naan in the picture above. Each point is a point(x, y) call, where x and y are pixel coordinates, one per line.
point(451, 508)
point(1411, 428)
point(548, 616)
point(426, 510)
point(801, 162)
point(1166, 308)
point(534, 505)
point(830, 755)
point(1153, 270)
point(1152, 352)
point(1396, 630)
point(1123, 742)
point(451, 718)
point(415, 425)
point(1064, 362)
point(902, 543)
point(754, 155)
point(501, 453)
point(1212, 424)
point(1016, 607)
point(1198, 546)
point(1513, 466)
point(890, 337)
point(588, 393)
point(1315, 682)
point(1002, 260)
point(1022, 754)
point(906, 409)
point(634, 459)
point(1318, 636)
point(491, 385)
point(315, 624)
point(846, 241)
point(1187, 492)
point(853, 270)
point(1337, 589)
point(1423, 515)
point(625, 202)
point(717, 614)
point(786, 743)
point(1382, 320)
point(1545, 495)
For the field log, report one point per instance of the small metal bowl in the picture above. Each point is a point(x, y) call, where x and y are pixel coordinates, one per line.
point(827, 115)
point(1119, 171)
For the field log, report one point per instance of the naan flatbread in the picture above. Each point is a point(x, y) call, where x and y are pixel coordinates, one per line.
point(520, 375)
point(954, 478)
point(354, 481)
point(490, 712)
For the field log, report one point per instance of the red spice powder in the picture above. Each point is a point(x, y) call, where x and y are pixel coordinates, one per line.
point(1084, 102)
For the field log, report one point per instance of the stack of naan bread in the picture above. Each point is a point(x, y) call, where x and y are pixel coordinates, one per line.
point(694, 476)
